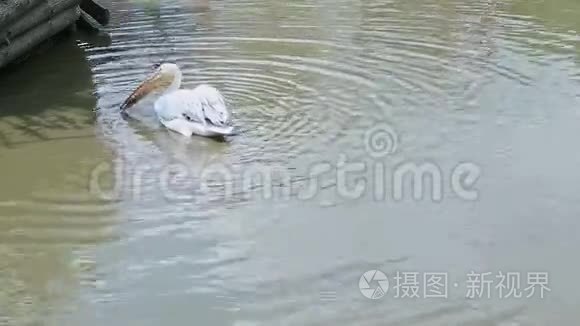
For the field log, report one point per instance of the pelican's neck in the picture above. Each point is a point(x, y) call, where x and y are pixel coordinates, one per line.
point(176, 83)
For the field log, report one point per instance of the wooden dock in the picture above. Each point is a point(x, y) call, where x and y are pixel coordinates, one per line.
point(26, 24)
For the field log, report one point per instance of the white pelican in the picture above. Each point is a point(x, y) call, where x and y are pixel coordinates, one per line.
point(201, 111)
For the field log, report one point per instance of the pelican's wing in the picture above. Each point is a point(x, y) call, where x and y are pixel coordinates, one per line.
point(213, 107)
point(196, 111)
point(204, 104)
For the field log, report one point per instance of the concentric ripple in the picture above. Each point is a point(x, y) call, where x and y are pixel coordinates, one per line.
point(307, 82)
point(299, 92)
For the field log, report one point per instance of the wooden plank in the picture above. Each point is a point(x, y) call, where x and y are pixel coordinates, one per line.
point(12, 10)
point(37, 15)
point(96, 11)
point(38, 34)
point(87, 22)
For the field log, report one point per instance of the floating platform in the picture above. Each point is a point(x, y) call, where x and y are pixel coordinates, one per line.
point(26, 24)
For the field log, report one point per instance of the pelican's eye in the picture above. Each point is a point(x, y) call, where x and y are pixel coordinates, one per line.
point(156, 66)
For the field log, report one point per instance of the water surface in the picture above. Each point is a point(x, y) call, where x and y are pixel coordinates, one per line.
point(112, 221)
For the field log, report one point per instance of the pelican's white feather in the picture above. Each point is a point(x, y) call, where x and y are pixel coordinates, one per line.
point(201, 111)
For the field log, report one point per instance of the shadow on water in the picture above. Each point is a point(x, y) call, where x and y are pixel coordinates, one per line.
point(49, 93)
point(48, 217)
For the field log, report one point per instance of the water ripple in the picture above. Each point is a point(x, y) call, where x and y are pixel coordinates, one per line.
point(305, 80)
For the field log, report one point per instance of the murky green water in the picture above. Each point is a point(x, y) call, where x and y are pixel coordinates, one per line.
point(107, 221)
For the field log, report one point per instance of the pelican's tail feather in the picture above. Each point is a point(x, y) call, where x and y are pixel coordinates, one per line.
point(189, 128)
point(179, 126)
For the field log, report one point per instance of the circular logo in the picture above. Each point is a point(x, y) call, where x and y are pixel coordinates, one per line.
point(381, 140)
point(373, 284)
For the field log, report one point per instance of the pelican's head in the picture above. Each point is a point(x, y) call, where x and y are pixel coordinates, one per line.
point(164, 76)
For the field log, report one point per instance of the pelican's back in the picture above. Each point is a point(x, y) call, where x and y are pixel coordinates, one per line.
point(213, 104)
point(177, 103)
point(199, 111)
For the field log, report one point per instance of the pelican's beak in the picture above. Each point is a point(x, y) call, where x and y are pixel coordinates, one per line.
point(155, 82)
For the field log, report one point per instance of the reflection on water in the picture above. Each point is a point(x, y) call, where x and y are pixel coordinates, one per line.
point(489, 83)
point(47, 215)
